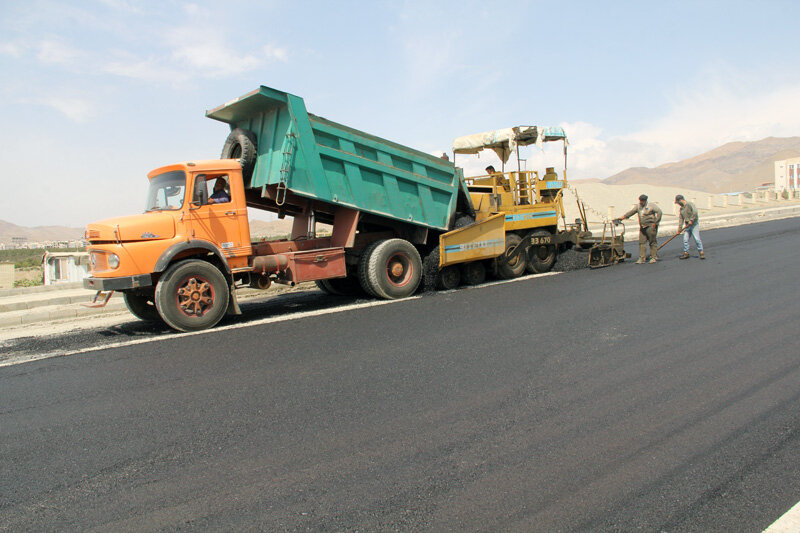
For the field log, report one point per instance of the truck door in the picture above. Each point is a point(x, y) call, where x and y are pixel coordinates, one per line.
point(222, 215)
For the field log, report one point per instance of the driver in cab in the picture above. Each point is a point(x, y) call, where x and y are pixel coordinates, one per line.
point(220, 195)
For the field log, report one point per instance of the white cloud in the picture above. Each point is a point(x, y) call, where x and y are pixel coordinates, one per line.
point(700, 120)
point(214, 59)
point(275, 53)
point(14, 50)
point(124, 5)
point(75, 109)
point(58, 53)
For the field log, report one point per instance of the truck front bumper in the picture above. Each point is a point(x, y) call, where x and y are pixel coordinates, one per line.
point(118, 284)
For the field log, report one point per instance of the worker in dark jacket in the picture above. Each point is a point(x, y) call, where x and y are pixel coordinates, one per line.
point(649, 219)
point(687, 221)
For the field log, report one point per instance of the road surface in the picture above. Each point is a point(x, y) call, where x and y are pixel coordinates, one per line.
point(638, 397)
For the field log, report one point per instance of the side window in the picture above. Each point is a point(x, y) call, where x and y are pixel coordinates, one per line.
point(200, 194)
point(218, 189)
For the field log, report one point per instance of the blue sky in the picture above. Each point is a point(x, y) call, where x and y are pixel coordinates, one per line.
point(97, 93)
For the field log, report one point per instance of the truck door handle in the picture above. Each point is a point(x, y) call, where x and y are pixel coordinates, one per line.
point(230, 212)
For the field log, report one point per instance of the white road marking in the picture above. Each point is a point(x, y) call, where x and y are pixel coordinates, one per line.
point(788, 523)
point(282, 318)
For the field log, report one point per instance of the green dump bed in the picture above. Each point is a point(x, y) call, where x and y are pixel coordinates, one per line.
point(323, 160)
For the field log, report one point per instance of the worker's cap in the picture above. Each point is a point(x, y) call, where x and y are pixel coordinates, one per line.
point(678, 198)
point(643, 198)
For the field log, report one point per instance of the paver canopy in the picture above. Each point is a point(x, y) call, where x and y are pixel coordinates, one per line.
point(505, 141)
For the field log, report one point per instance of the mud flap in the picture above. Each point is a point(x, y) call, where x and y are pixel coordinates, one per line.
point(233, 303)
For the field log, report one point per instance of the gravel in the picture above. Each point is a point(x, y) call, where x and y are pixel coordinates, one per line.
point(570, 260)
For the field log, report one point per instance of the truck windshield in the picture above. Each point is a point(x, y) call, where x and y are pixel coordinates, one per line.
point(166, 191)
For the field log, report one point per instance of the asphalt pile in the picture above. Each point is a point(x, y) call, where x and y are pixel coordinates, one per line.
point(570, 260)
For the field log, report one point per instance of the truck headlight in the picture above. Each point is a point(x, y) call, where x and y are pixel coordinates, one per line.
point(113, 260)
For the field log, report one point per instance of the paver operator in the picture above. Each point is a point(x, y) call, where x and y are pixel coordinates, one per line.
point(649, 219)
point(687, 221)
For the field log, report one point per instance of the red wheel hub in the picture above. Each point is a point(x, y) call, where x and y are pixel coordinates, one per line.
point(399, 269)
point(195, 296)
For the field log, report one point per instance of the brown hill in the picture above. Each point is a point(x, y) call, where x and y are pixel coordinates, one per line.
point(736, 166)
point(38, 233)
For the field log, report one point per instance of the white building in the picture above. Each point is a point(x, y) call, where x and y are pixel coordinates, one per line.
point(65, 267)
point(787, 174)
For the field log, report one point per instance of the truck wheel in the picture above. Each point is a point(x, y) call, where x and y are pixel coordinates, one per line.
point(141, 306)
point(394, 269)
point(348, 286)
point(541, 258)
point(473, 273)
point(192, 295)
point(449, 278)
point(363, 268)
point(509, 268)
point(241, 145)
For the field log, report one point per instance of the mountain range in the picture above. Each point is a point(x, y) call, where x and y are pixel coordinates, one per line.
point(735, 166)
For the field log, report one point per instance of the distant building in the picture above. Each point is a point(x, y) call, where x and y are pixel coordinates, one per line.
point(787, 174)
point(65, 267)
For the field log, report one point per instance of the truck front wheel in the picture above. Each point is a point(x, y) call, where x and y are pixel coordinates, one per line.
point(192, 295)
point(141, 305)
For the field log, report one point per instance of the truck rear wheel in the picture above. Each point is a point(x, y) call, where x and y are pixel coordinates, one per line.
point(363, 268)
point(348, 286)
point(541, 258)
point(511, 265)
point(192, 295)
point(394, 269)
point(141, 306)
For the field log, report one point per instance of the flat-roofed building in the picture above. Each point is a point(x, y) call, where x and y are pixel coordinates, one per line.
point(787, 174)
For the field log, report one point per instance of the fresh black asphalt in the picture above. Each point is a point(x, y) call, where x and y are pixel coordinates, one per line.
point(640, 397)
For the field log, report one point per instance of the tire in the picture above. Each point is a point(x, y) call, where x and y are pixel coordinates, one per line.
point(241, 145)
point(192, 295)
point(363, 268)
point(473, 273)
point(322, 284)
point(541, 258)
point(141, 306)
point(394, 269)
point(509, 269)
point(449, 278)
point(348, 286)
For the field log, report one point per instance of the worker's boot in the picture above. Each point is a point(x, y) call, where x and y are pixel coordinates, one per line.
point(686, 255)
point(640, 261)
point(653, 259)
point(702, 255)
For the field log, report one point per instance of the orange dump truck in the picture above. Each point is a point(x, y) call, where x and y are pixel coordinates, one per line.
point(182, 259)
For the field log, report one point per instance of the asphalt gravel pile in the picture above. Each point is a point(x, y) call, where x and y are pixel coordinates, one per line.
point(571, 260)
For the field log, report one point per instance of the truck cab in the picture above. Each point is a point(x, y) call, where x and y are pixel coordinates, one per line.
point(182, 220)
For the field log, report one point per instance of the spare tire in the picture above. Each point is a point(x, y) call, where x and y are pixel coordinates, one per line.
point(241, 145)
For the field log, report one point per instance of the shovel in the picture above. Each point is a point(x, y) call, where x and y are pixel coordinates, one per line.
point(666, 243)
